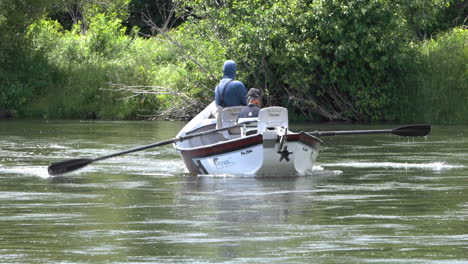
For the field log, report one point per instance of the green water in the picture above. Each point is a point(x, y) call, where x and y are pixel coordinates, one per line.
point(371, 199)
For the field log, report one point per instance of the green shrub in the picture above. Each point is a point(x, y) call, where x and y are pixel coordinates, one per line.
point(96, 68)
point(23, 73)
point(86, 63)
point(436, 86)
point(338, 59)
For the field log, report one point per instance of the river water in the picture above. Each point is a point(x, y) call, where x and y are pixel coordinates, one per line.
point(371, 199)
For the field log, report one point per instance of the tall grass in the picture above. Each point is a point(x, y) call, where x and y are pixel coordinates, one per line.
point(437, 81)
point(87, 63)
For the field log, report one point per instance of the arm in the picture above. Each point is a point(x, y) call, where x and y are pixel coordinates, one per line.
point(217, 99)
point(243, 94)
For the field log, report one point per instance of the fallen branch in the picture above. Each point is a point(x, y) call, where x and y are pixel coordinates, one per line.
point(183, 106)
point(137, 90)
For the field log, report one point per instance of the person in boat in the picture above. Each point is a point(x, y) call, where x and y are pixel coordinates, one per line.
point(229, 92)
point(254, 100)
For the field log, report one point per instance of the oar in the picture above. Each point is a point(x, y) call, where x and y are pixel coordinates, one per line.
point(408, 131)
point(65, 166)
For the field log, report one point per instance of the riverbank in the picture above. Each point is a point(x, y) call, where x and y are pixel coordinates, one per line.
point(148, 80)
point(342, 70)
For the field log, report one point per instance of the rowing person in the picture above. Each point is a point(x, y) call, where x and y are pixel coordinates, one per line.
point(229, 92)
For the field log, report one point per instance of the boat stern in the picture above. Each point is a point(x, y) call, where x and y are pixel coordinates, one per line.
point(296, 156)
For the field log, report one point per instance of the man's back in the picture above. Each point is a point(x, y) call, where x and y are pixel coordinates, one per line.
point(230, 92)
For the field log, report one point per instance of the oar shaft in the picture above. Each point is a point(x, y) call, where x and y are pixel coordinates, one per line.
point(165, 142)
point(160, 143)
point(409, 131)
point(351, 132)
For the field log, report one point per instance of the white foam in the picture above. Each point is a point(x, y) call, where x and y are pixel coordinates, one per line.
point(317, 168)
point(39, 171)
point(396, 165)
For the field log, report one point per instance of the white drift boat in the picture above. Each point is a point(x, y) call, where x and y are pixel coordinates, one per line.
point(261, 146)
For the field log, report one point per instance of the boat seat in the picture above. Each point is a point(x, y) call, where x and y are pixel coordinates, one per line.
point(249, 121)
point(248, 125)
point(251, 132)
point(273, 116)
point(229, 116)
point(211, 139)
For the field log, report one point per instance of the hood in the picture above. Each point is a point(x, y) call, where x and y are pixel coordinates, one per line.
point(229, 69)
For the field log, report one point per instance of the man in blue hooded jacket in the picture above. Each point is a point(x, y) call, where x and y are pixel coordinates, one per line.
point(230, 92)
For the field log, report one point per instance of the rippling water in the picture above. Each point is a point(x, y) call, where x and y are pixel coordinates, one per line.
point(371, 199)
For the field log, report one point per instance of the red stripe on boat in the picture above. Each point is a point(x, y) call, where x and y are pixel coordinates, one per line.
point(221, 148)
point(305, 138)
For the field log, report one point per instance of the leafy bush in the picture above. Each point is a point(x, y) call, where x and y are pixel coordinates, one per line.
point(335, 59)
point(99, 68)
point(339, 59)
point(85, 64)
point(23, 73)
point(436, 86)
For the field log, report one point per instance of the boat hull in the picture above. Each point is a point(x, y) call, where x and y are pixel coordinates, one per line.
point(257, 155)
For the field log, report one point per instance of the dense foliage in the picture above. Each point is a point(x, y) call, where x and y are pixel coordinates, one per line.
point(437, 80)
point(335, 59)
point(323, 59)
point(18, 65)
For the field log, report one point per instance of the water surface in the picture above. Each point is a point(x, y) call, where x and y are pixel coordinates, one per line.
point(371, 199)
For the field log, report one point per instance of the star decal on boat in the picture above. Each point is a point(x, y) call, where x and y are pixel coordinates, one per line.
point(284, 154)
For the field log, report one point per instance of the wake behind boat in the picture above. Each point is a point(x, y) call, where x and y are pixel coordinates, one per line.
point(261, 146)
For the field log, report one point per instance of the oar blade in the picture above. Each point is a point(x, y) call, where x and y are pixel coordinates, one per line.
point(413, 131)
point(65, 166)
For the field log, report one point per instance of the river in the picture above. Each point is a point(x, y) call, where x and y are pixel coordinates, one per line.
point(371, 199)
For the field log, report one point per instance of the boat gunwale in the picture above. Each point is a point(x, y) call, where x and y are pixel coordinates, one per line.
point(237, 144)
